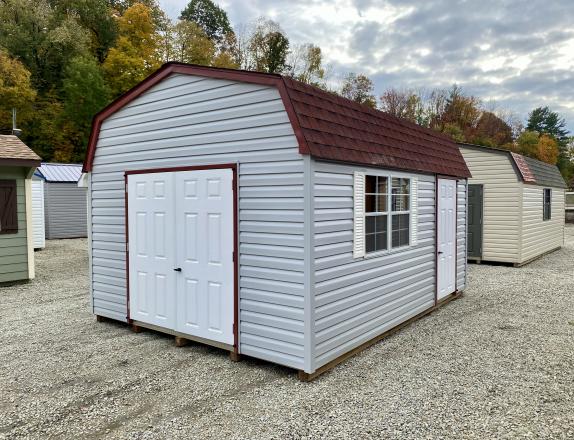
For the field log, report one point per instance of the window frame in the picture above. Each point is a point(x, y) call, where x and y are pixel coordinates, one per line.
point(389, 213)
point(10, 184)
point(546, 204)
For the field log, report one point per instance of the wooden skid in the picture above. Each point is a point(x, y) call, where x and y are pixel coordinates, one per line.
point(308, 377)
point(181, 342)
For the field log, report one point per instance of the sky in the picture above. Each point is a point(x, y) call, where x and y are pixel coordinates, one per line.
point(515, 55)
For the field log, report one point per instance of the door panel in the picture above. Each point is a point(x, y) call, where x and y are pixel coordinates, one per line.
point(446, 237)
point(205, 253)
point(183, 220)
point(151, 248)
point(475, 206)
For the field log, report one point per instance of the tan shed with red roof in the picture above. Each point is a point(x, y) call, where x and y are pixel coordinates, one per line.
point(268, 217)
point(516, 206)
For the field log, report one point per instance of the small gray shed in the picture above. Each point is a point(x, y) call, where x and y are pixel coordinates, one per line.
point(65, 203)
point(516, 206)
point(269, 218)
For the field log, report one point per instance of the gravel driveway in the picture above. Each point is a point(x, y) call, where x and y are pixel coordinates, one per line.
point(497, 363)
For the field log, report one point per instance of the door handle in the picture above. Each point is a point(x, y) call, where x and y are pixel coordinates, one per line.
point(439, 252)
point(178, 269)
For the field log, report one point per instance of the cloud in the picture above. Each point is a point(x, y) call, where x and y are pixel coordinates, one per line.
point(517, 53)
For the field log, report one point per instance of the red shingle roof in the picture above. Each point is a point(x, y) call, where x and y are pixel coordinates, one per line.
point(327, 126)
point(338, 129)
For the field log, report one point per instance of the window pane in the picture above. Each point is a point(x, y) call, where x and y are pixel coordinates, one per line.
point(382, 185)
point(382, 203)
point(370, 224)
point(370, 203)
point(381, 241)
point(370, 184)
point(401, 185)
point(400, 225)
point(370, 243)
point(400, 202)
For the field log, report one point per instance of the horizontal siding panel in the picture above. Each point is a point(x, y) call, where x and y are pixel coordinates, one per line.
point(190, 121)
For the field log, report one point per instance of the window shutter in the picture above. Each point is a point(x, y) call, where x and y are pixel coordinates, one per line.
point(359, 215)
point(414, 210)
point(8, 207)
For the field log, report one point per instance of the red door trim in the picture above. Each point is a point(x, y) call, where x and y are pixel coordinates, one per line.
point(233, 167)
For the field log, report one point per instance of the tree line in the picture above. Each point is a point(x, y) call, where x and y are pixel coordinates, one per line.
point(61, 61)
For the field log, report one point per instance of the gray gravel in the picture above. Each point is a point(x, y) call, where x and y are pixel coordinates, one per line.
point(497, 363)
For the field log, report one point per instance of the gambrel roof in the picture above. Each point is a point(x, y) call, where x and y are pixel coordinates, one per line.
point(327, 126)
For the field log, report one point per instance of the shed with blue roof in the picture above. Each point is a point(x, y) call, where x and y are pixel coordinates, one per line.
point(65, 212)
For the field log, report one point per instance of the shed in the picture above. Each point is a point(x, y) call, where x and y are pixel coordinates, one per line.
point(65, 203)
point(17, 164)
point(516, 206)
point(268, 217)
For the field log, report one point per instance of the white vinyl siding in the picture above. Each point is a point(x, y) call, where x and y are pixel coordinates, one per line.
point(502, 202)
point(538, 235)
point(38, 213)
point(191, 121)
point(358, 299)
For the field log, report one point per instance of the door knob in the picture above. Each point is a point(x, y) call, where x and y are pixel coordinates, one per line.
point(178, 269)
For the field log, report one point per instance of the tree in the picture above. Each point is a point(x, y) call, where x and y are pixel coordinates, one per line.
point(359, 88)
point(547, 149)
point(209, 17)
point(15, 91)
point(136, 53)
point(491, 130)
point(461, 110)
point(190, 44)
point(43, 37)
point(545, 121)
point(306, 65)
point(527, 143)
point(267, 48)
point(85, 94)
point(406, 104)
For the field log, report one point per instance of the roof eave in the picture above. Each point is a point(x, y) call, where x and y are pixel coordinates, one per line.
point(29, 163)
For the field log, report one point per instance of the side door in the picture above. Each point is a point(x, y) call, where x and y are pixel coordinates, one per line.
point(204, 230)
point(151, 210)
point(446, 218)
point(474, 237)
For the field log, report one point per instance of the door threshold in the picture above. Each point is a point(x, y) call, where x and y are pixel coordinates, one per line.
point(177, 334)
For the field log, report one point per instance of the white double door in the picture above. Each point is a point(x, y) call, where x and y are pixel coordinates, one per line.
point(181, 270)
point(446, 237)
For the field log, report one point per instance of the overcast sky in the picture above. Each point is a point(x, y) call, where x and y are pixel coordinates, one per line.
point(518, 53)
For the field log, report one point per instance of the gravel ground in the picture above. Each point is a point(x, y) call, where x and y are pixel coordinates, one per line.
point(497, 363)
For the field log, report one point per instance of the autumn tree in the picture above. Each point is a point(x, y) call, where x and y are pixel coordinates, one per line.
point(306, 65)
point(491, 130)
point(405, 104)
point(547, 149)
point(15, 91)
point(359, 88)
point(209, 17)
point(136, 53)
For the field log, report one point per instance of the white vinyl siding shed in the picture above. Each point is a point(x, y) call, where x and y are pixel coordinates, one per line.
point(303, 299)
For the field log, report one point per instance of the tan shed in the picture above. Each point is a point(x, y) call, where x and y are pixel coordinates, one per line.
point(515, 206)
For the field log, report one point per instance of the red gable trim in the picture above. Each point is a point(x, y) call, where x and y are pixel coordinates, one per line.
point(523, 168)
point(212, 72)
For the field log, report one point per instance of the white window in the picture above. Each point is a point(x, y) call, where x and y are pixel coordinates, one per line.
point(385, 213)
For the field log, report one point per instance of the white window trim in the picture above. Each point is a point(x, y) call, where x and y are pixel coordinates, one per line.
point(359, 245)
